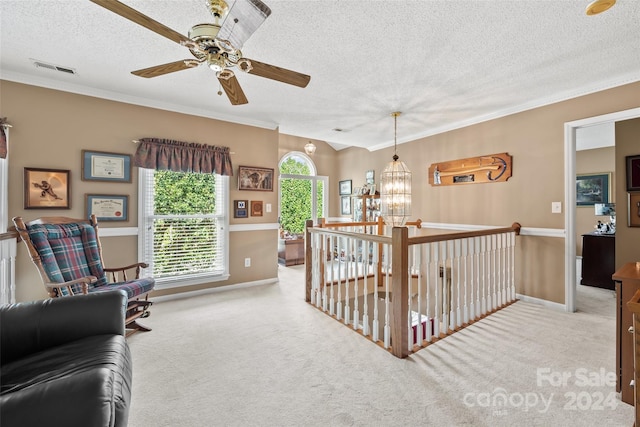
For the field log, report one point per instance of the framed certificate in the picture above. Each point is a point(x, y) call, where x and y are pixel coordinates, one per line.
point(101, 166)
point(107, 207)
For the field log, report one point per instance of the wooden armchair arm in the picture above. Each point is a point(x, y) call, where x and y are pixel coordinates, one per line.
point(123, 271)
point(51, 286)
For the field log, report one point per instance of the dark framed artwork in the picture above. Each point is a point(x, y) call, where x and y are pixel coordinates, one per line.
point(345, 187)
point(633, 214)
point(255, 178)
point(345, 205)
point(256, 208)
point(593, 188)
point(633, 173)
point(107, 207)
point(240, 208)
point(101, 166)
point(47, 188)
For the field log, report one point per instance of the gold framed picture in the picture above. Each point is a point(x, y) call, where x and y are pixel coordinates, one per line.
point(47, 188)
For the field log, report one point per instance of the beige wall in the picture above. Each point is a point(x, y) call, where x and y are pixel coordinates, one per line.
point(535, 139)
point(599, 160)
point(627, 238)
point(51, 128)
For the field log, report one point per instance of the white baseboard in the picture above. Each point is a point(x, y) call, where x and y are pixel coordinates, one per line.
point(182, 295)
point(543, 302)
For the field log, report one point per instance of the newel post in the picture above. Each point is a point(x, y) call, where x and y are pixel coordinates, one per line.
point(399, 291)
point(308, 259)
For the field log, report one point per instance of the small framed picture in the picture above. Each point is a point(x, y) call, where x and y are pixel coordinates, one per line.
point(634, 209)
point(369, 176)
point(255, 179)
point(47, 188)
point(240, 209)
point(345, 205)
point(633, 173)
point(345, 187)
point(256, 208)
point(107, 207)
point(101, 166)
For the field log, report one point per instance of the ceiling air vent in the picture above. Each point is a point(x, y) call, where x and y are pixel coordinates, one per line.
point(41, 64)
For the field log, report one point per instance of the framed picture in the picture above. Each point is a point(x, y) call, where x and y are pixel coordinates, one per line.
point(593, 188)
point(47, 188)
point(369, 176)
point(101, 166)
point(107, 207)
point(345, 187)
point(240, 209)
point(633, 173)
point(256, 208)
point(255, 179)
point(634, 210)
point(345, 205)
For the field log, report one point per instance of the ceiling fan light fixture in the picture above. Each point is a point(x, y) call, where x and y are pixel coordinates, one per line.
point(215, 62)
point(599, 6)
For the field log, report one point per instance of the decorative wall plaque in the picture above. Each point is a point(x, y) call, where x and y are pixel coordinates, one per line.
point(474, 170)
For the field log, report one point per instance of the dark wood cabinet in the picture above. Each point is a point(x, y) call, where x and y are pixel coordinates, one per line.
point(627, 282)
point(291, 252)
point(598, 260)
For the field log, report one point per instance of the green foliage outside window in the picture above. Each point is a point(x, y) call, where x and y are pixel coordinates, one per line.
point(295, 202)
point(184, 245)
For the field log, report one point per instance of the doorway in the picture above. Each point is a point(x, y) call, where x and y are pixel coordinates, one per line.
point(570, 130)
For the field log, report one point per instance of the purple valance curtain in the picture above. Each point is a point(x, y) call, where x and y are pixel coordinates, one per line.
point(3, 138)
point(178, 156)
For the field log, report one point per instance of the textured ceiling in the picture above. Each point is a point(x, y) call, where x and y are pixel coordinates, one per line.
point(444, 64)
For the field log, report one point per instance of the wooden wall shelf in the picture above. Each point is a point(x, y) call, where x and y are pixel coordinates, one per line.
point(473, 170)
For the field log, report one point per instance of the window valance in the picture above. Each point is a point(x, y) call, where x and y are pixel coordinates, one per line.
point(178, 156)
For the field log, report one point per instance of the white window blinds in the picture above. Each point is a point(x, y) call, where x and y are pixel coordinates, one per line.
point(183, 226)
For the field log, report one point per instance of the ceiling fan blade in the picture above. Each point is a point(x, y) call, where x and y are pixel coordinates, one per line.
point(140, 19)
point(276, 73)
point(171, 67)
point(242, 21)
point(233, 90)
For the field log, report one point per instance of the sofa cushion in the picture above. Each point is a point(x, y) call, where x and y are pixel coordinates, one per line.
point(82, 383)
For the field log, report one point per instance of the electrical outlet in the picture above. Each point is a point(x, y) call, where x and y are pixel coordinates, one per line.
point(247, 262)
point(556, 207)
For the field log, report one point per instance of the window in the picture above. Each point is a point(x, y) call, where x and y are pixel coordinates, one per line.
point(302, 193)
point(183, 227)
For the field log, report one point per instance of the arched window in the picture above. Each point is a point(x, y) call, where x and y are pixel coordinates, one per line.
point(302, 193)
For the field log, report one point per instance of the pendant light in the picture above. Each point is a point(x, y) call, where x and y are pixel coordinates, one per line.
point(395, 192)
point(309, 148)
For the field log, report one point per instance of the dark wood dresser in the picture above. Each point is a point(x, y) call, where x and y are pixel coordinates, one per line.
point(627, 280)
point(598, 260)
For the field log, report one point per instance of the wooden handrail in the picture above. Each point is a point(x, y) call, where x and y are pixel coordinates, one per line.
point(11, 234)
point(515, 227)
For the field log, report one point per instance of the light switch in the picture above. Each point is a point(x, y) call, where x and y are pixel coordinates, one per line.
point(556, 207)
point(267, 207)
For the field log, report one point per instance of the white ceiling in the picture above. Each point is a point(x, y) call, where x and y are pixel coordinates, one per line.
point(443, 63)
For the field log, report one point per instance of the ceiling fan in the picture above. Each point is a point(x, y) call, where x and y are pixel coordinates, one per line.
point(217, 45)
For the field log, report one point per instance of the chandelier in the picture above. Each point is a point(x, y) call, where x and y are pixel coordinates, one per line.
point(309, 148)
point(395, 192)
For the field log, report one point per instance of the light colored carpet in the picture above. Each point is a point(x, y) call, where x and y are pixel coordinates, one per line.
point(261, 356)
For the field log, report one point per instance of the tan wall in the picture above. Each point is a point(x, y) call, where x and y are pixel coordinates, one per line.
point(50, 128)
point(599, 160)
point(535, 139)
point(627, 238)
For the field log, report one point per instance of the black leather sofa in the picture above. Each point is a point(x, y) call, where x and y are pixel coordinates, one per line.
point(65, 362)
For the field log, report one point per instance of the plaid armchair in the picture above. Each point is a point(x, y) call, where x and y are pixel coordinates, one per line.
point(68, 256)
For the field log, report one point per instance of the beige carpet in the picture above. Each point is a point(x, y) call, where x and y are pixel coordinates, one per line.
point(261, 356)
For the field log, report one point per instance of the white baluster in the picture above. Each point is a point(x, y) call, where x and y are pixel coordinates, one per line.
point(457, 250)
